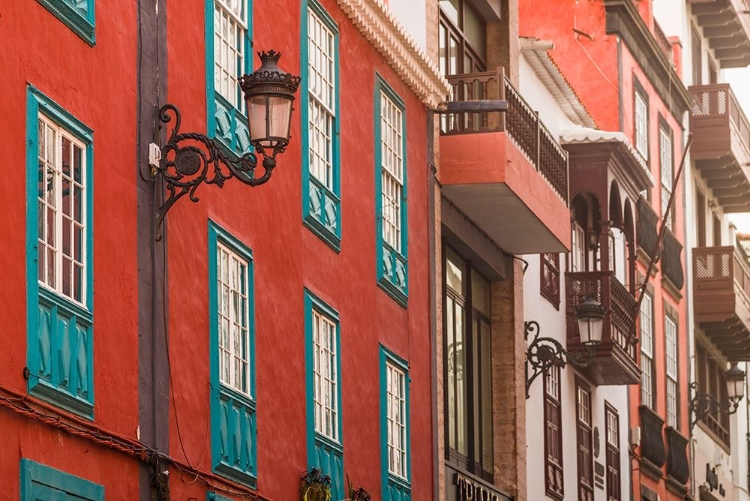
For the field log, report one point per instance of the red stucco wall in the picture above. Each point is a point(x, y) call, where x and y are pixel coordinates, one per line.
point(40, 50)
point(288, 257)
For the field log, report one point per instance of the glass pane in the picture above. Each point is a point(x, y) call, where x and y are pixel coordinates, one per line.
point(454, 267)
point(450, 9)
point(77, 164)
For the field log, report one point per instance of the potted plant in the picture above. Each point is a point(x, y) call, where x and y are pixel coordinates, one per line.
point(315, 486)
point(359, 494)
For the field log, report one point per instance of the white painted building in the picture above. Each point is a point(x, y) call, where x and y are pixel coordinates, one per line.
point(575, 429)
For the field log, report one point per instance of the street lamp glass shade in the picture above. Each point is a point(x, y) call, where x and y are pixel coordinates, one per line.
point(735, 383)
point(269, 118)
point(590, 316)
point(269, 94)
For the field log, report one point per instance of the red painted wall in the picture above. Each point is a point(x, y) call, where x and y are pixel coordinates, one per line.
point(39, 49)
point(289, 257)
point(587, 59)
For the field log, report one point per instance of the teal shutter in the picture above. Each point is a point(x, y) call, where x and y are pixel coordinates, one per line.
point(42, 483)
point(395, 488)
point(321, 205)
point(60, 332)
point(323, 453)
point(226, 123)
point(233, 418)
point(392, 264)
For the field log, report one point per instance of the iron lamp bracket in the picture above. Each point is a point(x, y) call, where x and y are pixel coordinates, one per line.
point(189, 159)
point(544, 353)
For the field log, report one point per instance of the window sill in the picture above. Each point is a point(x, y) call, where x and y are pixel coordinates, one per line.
point(45, 391)
point(393, 274)
point(81, 26)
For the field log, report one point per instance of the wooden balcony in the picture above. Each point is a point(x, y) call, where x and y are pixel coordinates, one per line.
point(721, 288)
point(615, 360)
point(726, 26)
point(721, 145)
point(494, 165)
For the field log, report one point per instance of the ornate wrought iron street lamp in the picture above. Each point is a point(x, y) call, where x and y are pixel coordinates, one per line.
point(703, 404)
point(546, 352)
point(189, 159)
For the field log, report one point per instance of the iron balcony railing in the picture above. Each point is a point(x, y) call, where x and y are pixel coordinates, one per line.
point(521, 123)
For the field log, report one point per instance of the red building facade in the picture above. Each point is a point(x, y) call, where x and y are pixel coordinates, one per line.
point(255, 334)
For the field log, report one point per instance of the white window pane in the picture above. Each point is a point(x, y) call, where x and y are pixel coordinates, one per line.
point(233, 310)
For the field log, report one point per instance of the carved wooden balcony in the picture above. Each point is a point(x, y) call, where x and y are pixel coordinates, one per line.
point(615, 360)
point(727, 28)
point(678, 464)
point(721, 145)
point(721, 288)
point(494, 164)
point(653, 454)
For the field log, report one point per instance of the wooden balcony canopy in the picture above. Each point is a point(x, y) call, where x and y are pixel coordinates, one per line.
point(721, 148)
point(726, 25)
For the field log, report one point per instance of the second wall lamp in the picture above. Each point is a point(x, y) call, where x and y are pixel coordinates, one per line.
point(544, 353)
point(189, 159)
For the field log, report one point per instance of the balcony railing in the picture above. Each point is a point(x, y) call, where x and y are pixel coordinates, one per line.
point(620, 305)
point(521, 123)
point(716, 111)
point(720, 270)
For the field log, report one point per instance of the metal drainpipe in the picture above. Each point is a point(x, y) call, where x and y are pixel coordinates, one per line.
point(432, 297)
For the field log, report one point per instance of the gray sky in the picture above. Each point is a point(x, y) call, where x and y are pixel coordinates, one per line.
point(739, 79)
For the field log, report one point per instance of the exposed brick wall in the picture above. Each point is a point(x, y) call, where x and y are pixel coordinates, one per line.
point(509, 384)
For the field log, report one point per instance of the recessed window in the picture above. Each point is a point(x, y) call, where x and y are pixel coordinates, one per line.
point(550, 278)
point(667, 170)
point(320, 176)
point(670, 339)
point(60, 256)
point(641, 122)
point(584, 443)
point(233, 417)
point(390, 153)
point(612, 424)
point(553, 440)
point(394, 422)
point(647, 351)
point(228, 56)
point(468, 365)
point(324, 435)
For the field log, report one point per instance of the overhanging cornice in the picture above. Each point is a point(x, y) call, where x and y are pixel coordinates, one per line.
point(623, 19)
point(377, 23)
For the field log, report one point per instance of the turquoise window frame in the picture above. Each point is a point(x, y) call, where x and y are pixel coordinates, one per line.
point(60, 333)
point(81, 20)
point(321, 207)
point(394, 488)
point(392, 266)
point(227, 124)
point(322, 452)
point(39, 481)
point(231, 411)
point(212, 496)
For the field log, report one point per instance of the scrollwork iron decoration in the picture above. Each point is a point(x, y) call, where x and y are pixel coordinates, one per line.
point(544, 353)
point(191, 159)
point(704, 404)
